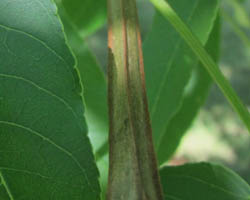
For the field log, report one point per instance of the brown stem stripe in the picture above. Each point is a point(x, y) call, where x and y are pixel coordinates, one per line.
point(133, 173)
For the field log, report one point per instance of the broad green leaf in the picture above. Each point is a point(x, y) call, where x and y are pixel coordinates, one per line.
point(169, 61)
point(94, 88)
point(169, 13)
point(86, 15)
point(44, 149)
point(194, 97)
point(3, 193)
point(95, 96)
point(203, 181)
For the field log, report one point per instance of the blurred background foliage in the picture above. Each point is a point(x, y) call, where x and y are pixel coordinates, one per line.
point(217, 134)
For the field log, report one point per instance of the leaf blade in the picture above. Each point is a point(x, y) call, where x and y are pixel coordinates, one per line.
point(193, 99)
point(168, 67)
point(208, 63)
point(203, 181)
point(95, 96)
point(43, 130)
point(94, 87)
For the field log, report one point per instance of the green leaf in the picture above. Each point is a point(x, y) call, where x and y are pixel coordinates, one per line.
point(86, 15)
point(3, 193)
point(95, 96)
point(203, 181)
point(194, 97)
point(44, 149)
point(94, 88)
point(169, 61)
point(169, 13)
point(103, 166)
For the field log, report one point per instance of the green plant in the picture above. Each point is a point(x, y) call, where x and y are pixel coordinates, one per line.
point(46, 117)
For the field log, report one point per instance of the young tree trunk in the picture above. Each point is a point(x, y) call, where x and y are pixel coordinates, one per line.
point(133, 173)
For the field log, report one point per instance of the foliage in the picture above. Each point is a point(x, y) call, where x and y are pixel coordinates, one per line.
point(203, 181)
point(54, 134)
point(45, 151)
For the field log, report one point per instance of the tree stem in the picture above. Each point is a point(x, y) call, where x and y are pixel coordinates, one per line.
point(133, 173)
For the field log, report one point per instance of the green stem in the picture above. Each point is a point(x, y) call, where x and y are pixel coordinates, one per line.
point(133, 172)
point(214, 71)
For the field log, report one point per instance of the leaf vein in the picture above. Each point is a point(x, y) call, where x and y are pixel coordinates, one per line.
point(42, 89)
point(48, 140)
point(41, 42)
point(4, 183)
point(209, 184)
point(37, 174)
